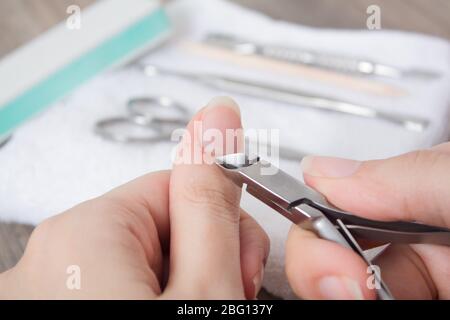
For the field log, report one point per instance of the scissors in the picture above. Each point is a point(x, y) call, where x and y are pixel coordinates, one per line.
point(148, 119)
point(152, 119)
point(309, 209)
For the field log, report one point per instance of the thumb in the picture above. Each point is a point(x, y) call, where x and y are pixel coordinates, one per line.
point(413, 186)
point(204, 209)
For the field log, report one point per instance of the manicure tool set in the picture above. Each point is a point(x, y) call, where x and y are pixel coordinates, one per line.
point(309, 209)
point(292, 97)
point(13, 115)
point(149, 114)
point(146, 119)
point(153, 119)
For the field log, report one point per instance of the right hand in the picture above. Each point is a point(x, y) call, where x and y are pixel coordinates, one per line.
point(414, 186)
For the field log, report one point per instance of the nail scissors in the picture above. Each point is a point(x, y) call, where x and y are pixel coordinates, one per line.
point(148, 119)
point(309, 209)
point(152, 119)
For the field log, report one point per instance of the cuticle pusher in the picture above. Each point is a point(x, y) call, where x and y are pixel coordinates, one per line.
point(293, 97)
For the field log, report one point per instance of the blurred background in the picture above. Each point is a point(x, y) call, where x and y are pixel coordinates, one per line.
point(23, 20)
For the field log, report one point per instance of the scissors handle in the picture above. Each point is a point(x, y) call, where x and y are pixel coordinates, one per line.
point(386, 231)
point(338, 232)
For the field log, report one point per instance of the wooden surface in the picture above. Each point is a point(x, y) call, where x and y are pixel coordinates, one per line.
point(21, 20)
point(13, 239)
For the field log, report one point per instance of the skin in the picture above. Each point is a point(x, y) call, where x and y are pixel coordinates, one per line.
point(178, 235)
point(411, 187)
point(182, 235)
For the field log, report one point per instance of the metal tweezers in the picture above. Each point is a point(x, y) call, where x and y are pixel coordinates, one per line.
point(309, 209)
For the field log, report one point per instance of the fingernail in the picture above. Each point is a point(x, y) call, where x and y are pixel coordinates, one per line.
point(258, 280)
point(327, 167)
point(340, 288)
point(223, 101)
point(220, 115)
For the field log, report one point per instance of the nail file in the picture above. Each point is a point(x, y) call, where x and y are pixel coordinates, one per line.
point(113, 32)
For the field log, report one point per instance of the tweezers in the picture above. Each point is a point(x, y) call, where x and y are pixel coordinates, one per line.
point(309, 209)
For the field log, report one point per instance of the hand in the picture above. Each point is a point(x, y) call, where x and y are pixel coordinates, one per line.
point(414, 186)
point(178, 235)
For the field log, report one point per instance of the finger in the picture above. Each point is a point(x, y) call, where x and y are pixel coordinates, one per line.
point(404, 271)
point(254, 252)
point(443, 147)
point(321, 269)
point(407, 187)
point(204, 208)
point(413, 186)
point(143, 207)
point(127, 220)
point(145, 202)
point(148, 196)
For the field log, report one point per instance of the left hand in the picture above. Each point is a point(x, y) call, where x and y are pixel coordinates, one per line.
point(178, 235)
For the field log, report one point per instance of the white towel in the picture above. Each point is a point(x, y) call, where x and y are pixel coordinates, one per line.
point(56, 161)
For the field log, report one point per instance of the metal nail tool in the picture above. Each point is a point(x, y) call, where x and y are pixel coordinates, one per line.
point(344, 64)
point(293, 97)
point(148, 120)
point(309, 209)
point(152, 119)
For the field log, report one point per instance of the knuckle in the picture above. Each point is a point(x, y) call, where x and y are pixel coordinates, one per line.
point(413, 162)
point(41, 232)
point(41, 240)
point(423, 158)
point(221, 202)
point(426, 168)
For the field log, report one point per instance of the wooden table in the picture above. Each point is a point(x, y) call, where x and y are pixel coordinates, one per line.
point(21, 20)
